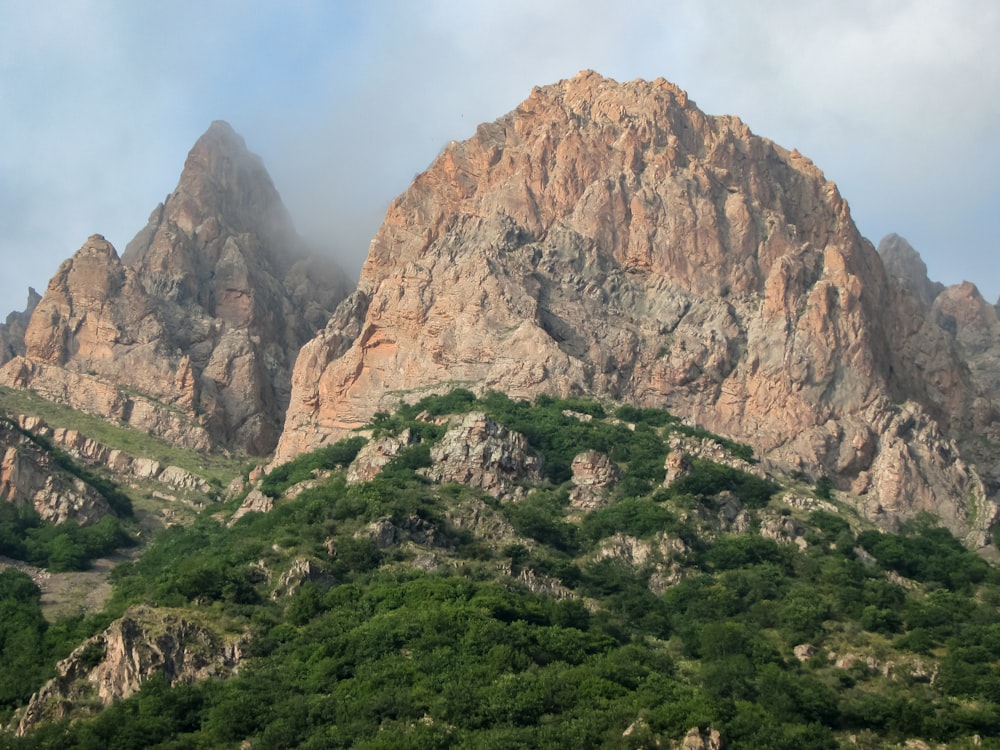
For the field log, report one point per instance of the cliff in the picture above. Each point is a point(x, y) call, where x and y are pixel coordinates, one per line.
point(114, 664)
point(12, 329)
point(611, 239)
point(31, 477)
point(192, 333)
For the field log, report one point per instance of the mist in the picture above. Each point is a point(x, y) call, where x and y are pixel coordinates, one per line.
point(100, 102)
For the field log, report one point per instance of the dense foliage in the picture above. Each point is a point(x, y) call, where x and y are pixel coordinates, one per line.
point(435, 640)
point(66, 546)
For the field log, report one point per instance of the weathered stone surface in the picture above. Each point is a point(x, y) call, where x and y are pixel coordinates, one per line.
point(386, 532)
point(594, 475)
point(961, 310)
point(183, 479)
point(375, 454)
point(696, 739)
point(95, 395)
point(784, 530)
point(30, 477)
point(114, 664)
point(302, 570)
point(202, 316)
point(478, 452)
point(90, 451)
point(684, 448)
point(611, 239)
point(255, 502)
point(13, 328)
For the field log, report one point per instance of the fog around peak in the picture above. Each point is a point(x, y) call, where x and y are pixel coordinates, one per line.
point(101, 101)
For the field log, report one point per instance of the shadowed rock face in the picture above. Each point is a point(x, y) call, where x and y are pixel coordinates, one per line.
point(12, 330)
point(30, 477)
point(612, 239)
point(904, 262)
point(202, 316)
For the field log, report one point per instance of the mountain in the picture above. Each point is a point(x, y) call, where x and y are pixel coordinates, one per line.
point(190, 334)
point(481, 527)
point(612, 240)
point(12, 329)
point(973, 326)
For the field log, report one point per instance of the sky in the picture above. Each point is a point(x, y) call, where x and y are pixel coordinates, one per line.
point(898, 101)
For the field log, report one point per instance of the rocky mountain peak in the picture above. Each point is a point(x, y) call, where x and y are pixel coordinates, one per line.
point(202, 316)
point(903, 262)
point(611, 239)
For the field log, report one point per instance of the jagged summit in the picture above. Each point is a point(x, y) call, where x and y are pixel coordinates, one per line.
point(199, 320)
point(224, 195)
point(905, 263)
point(12, 329)
point(611, 239)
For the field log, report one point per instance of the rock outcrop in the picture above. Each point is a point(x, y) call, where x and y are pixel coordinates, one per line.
point(201, 318)
point(12, 330)
point(30, 477)
point(114, 664)
point(611, 239)
point(375, 454)
point(594, 476)
point(478, 452)
point(90, 451)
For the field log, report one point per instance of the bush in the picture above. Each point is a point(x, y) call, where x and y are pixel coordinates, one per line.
point(302, 467)
point(708, 478)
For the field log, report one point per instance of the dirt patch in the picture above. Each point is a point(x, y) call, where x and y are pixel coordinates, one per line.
point(76, 592)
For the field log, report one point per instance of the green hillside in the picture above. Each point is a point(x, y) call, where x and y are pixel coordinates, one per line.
point(435, 616)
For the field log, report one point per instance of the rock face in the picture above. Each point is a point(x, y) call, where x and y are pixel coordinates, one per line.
point(90, 451)
point(611, 239)
point(961, 310)
point(114, 664)
point(201, 318)
point(594, 475)
point(12, 330)
point(478, 452)
point(973, 325)
point(905, 263)
point(29, 476)
point(375, 454)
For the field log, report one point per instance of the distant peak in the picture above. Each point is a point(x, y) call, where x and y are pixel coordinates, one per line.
point(220, 138)
point(902, 261)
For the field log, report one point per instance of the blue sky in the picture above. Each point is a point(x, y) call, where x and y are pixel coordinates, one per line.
point(100, 100)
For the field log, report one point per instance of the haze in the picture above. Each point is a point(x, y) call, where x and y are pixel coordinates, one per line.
point(345, 102)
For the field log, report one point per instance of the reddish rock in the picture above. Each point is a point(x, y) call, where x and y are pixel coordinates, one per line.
point(203, 314)
point(611, 239)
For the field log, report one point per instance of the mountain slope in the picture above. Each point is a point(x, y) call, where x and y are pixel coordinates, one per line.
point(708, 605)
point(611, 239)
point(193, 331)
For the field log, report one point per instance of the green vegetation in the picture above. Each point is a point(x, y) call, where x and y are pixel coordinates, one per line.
point(334, 456)
point(66, 546)
point(216, 468)
point(666, 618)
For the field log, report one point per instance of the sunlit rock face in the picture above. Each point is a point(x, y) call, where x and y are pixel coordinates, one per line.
point(201, 317)
point(611, 239)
